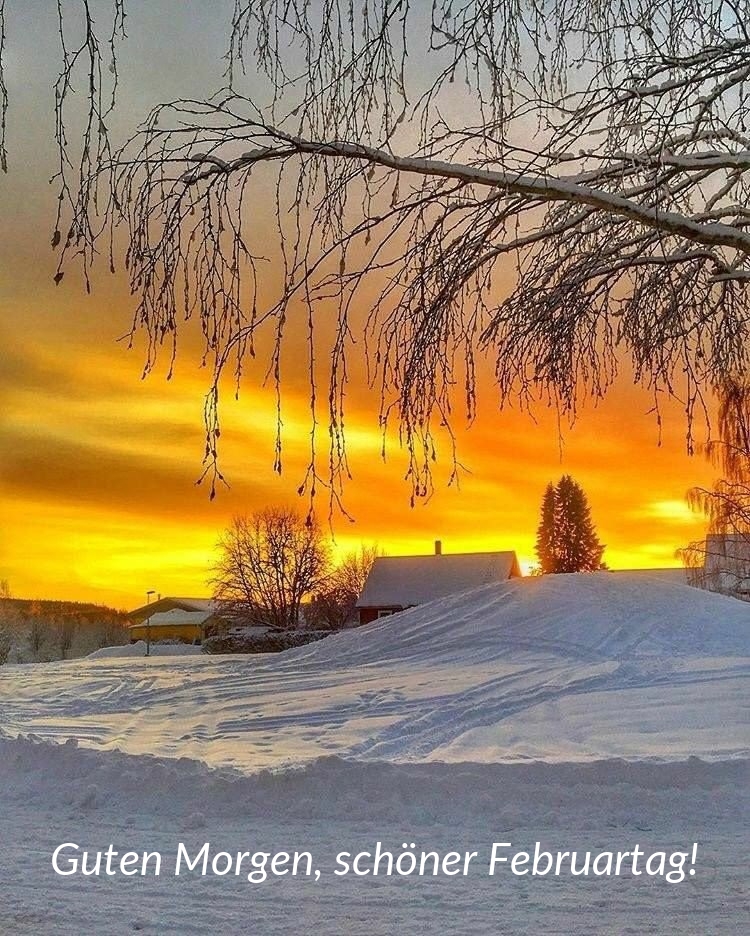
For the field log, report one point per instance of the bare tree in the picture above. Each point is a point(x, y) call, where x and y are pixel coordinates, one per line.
point(268, 563)
point(9, 620)
point(107, 633)
point(335, 604)
point(560, 186)
point(64, 630)
point(38, 633)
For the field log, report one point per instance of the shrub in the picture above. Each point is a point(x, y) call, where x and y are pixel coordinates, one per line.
point(270, 642)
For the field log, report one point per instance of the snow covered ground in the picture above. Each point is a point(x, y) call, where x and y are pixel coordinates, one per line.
point(138, 649)
point(586, 712)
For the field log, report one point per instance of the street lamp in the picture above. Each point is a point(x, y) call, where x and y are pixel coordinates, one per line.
point(149, 593)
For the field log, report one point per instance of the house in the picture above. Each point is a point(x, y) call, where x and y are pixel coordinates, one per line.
point(189, 620)
point(726, 565)
point(169, 604)
point(399, 582)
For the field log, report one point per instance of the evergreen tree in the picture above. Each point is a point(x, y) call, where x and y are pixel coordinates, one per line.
point(545, 532)
point(566, 537)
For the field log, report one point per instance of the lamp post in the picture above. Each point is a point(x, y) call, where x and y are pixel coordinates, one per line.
point(149, 593)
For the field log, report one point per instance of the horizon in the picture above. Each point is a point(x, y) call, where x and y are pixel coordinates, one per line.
point(526, 572)
point(98, 467)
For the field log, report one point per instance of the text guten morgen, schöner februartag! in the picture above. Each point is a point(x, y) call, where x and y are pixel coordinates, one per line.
point(70, 859)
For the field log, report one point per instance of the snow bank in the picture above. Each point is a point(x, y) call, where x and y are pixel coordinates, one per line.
point(65, 776)
point(599, 616)
point(138, 649)
point(566, 710)
point(64, 793)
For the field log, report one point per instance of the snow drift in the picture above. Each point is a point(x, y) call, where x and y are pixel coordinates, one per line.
point(586, 712)
point(600, 616)
point(66, 777)
point(138, 649)
point(560, 668)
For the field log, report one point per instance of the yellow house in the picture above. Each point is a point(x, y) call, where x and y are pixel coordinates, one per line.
point(183, 619)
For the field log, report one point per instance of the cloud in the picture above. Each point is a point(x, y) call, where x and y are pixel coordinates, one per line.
point(105, 464)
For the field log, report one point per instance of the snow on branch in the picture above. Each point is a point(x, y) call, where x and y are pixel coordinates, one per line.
point(559, 187)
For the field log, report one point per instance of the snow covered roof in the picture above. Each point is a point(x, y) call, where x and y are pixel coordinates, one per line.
point(678, 575)
point(403, 581)
point(176, 616)
point(206, 605)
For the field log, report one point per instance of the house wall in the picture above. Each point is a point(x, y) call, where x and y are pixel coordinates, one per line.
point(187, 633)
point(367, 615)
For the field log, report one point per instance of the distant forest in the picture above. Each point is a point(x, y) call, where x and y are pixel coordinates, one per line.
point(40, 631)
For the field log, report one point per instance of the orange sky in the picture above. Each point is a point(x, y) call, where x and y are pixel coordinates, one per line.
point(98, 471)
point(97, 468)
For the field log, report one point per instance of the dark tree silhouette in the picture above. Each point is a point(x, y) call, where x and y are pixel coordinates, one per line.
point(63, 632)
point(268, 563)
point(334, 605)
point(545, 533)
point(566, 539)
point(557, 186)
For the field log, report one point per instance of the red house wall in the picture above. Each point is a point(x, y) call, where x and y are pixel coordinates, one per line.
point(366, 615)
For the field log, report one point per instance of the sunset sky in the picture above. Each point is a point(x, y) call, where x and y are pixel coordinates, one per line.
point(97, 467)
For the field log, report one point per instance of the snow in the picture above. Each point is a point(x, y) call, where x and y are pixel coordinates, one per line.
point(175, 616)
point(403, 581)
point(184, 604)
point(580, 711)
point(555, 668)
point(138, 649)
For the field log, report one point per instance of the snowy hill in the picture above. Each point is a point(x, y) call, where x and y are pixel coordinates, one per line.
point(560, 668)
point(583, 712)
point(589, 616)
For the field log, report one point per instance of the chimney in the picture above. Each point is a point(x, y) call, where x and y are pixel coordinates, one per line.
point(438, 548)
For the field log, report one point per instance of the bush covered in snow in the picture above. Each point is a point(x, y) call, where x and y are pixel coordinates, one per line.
point(251, 641)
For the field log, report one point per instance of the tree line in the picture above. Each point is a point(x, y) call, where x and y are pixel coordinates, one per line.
point(43, 631)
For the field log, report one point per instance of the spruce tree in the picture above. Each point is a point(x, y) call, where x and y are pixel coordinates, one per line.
point(566, 537)
point(546, 531)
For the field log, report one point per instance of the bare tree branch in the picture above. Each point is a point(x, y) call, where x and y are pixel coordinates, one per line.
point(268, 563)
point(558, 187)
point(3, 93)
